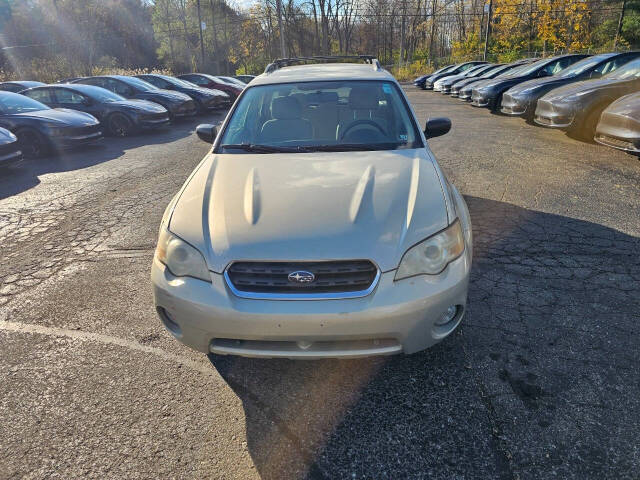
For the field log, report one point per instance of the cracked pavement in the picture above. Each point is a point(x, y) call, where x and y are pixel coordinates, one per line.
point(540, 381)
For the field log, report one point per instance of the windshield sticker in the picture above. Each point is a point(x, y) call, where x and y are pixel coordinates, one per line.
point(404, 138)
point(386, 88)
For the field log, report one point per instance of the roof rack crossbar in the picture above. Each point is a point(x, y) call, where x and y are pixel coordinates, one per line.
point(284, 62)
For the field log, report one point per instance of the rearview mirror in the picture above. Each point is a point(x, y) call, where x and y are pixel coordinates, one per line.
point(206, 132)
point(436, 127)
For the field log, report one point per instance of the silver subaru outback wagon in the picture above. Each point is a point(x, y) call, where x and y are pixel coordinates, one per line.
point(319, 225)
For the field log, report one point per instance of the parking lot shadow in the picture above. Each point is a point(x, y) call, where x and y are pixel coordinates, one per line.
point(540, 381)
point(26, 175)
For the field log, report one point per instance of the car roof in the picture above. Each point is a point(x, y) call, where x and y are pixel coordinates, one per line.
point(80, 87)
point(322, 72)
point(24, 83)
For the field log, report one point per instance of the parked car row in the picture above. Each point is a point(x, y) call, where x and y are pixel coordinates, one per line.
point(36, 118)
point(592, 97)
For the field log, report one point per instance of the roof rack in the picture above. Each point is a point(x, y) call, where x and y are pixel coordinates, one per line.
point(284, 62)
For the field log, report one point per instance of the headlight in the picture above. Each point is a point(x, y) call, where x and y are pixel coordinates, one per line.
point(432, 255)
point(181, 259)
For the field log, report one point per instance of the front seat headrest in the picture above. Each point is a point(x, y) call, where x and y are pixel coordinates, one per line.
point(284, 108)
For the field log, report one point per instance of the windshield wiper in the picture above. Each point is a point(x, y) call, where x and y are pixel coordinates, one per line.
point(252, 147)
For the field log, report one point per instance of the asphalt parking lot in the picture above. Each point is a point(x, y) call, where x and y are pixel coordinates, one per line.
point(541, 380)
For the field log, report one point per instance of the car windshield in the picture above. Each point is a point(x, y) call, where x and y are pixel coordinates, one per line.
point(630, 70)
point(499, 70)
point(177, 81)
point(480, 70)
point(140, 84)
point(233, 81)
point(520, 70)
point(582, 66)
point(100, 94)
point(12, 103)
point(531, 67)
point(321, 116)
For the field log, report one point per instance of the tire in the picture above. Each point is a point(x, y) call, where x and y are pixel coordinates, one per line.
point(119, 125)
point(32, 143)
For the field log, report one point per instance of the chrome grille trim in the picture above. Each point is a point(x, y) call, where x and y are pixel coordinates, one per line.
point(309, 294)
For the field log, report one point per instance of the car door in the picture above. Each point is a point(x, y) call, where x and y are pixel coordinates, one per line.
point(119, 87)
point(42, 95)
point(66, 98)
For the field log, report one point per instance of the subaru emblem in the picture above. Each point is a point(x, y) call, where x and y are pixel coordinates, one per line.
point(301, 276)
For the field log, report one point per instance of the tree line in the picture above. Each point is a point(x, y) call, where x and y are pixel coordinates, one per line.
point(60, 38)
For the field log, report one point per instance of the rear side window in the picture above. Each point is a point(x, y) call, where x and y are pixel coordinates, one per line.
point(67, 96)
point(120, 88)
point(98, 82)
point(11, 88)
point(41, 95)
point(198, 80)
point(156, 82)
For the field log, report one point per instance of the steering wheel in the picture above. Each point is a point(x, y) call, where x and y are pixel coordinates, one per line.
point(370, 123)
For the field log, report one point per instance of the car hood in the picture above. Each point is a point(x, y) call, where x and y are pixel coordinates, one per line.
point(579, 87)
point(310, 206)
point(140, 105)
point(168, 95)
point(531, 85)
point(501, 82)
point(627, 106)
point(63, 117)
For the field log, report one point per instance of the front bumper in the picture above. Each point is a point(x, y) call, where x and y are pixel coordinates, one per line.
point(513, 106)
point(465, 95)
point(9, 155)
point(76, 140)
point(618, 131)
point(552, 115)
point(397, 317)
point(479, 99)
point(183, 110)
point(152, 122)
point(445, 89)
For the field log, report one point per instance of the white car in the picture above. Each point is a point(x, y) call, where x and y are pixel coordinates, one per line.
point(319, 225)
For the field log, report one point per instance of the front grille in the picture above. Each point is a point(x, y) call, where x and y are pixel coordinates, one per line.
point(339, 278)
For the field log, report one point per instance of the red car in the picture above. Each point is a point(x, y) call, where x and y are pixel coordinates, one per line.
point(210, 81)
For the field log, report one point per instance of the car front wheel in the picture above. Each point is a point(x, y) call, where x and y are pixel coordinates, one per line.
point(119, 125)
point(32, 143)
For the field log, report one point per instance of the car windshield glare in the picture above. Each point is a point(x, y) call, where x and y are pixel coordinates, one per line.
point(321, 116)
point(581, 66)
point(13, 103)
point(99, 94)
point(630, 70)
point(141, 84)
point(178, 82)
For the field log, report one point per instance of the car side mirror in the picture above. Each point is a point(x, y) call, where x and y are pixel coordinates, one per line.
point(206, 132)
point(87, 102)
point(543, 73)
point(437, 127)
point(595, 75)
